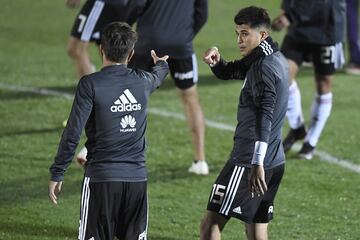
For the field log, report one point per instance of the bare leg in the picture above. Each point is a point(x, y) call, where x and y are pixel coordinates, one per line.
point(195, 118)
point(77, 50)
point(257, 231)
point(211, 226)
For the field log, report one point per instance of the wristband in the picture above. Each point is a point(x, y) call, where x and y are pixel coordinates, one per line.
point(259, 153)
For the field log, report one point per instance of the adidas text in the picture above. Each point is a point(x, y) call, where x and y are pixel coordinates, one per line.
point(125, 107)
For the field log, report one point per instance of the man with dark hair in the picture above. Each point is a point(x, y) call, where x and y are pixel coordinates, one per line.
point(246, 187)
point(316, 29)
point(111, 104)
point(169, 26)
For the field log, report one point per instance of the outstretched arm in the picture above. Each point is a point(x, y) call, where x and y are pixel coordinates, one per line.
point(222, 69)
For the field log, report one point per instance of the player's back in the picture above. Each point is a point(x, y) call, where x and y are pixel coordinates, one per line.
point(116, 127)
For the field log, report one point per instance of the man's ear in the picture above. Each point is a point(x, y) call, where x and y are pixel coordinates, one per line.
point(130, 55)
point(264, 35)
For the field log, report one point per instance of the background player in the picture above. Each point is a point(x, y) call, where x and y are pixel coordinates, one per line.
point(169, 26)
point(92, 18)
point(315, 28)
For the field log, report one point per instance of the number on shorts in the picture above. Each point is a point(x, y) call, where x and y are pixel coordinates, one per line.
point(218, 194)
point(328, 54)
point(82, 19)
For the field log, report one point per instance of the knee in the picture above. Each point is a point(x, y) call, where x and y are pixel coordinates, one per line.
point(189, 96)
point(74, 50)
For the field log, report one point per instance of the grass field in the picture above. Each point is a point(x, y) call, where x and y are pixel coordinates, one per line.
point(316, 200)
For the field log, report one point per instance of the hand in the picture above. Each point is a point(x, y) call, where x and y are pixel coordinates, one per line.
point(81, 161)
point(72, 3)
point(81, 156)
point(211, 56)
point(156, 58)
point(257, 182)
point(54, 190)
point(280, 22)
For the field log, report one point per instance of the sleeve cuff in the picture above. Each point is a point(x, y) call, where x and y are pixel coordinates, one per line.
point(259, 153)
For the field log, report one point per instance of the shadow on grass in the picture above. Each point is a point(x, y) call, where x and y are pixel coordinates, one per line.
point(31, 132)
point(36, 230)
point(21, 94)
point(21, 191)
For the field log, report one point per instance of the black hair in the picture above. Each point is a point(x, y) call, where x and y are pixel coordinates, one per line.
point(253, 16)
point(117, 41)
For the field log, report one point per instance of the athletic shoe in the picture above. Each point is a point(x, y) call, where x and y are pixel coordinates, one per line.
point(353, 69)
point(293, 136)
point(199, 167)
point(306, 152)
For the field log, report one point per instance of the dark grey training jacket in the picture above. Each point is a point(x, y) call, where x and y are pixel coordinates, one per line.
point(111, 104)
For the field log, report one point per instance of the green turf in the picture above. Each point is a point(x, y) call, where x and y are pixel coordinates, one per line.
point(316, 200)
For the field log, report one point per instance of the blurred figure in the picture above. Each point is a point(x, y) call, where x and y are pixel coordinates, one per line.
point(247, 185)
point(352, 10)
point(316, 28)
point(93, 16)
point(169, 26)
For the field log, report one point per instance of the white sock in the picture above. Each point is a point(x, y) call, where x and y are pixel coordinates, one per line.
point(320, 112)
point(294, 112)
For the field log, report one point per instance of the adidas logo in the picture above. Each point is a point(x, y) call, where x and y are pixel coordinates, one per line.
point(126, 103)
point(266, 47)
point(126, 121)
point(237, 210)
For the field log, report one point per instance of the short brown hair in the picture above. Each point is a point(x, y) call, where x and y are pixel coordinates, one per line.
point(117, 40)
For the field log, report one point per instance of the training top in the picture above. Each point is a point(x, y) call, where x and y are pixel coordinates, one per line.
point(112, 105)
point(316, 21)
point(261, 109)
point(169, 26)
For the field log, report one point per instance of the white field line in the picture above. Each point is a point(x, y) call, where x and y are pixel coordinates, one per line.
point(323, 156)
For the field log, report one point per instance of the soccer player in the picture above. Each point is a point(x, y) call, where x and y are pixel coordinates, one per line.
point(111, 104)
point(169, 26)
point(315, 29)
point(246, 187)
point(93, 16)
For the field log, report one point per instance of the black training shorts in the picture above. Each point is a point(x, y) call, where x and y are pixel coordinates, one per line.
point(326, 58)
point(94, 16)
point(184, 71)
point(111, 209)
point(231, 195)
